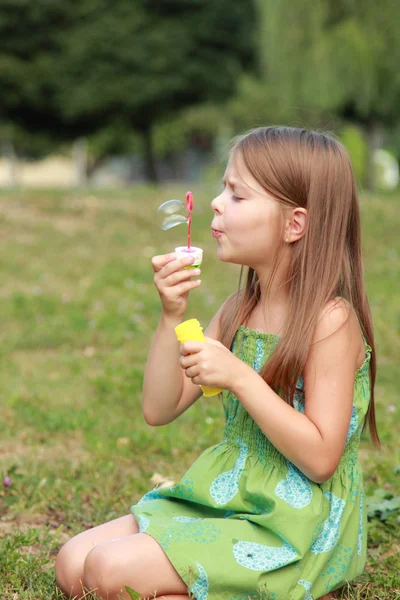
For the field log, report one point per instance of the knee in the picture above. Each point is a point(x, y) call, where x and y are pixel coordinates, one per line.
point(99, 572)
point(69, 570)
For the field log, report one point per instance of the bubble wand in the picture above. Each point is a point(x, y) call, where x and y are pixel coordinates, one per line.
point(189, 206)
point(183, 250)
point(191, 329)
point(170, 215)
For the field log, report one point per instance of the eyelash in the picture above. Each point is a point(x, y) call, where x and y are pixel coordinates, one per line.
point(237, 199)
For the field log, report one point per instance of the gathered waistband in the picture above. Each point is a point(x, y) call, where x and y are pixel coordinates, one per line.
point(258, 446)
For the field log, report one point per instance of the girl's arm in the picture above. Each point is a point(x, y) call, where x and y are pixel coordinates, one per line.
point(313, 441)
point(167, 392)
point(163, 381)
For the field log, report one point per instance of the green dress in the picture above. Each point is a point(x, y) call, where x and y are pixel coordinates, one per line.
point(244, 522)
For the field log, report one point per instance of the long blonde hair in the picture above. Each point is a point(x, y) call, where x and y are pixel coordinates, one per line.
point(308, 169)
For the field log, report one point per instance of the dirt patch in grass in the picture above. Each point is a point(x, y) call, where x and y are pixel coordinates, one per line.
point(70, 446)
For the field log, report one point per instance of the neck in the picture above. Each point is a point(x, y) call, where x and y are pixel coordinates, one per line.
point(273, 302)
point(278, 294)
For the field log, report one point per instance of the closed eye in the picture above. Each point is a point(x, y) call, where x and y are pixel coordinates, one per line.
point(236, 198)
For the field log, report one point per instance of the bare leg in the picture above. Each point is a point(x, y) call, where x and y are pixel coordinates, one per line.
point(71, 558)
point(137, 561)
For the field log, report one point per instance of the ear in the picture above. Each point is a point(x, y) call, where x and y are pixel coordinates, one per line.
point(296, 225)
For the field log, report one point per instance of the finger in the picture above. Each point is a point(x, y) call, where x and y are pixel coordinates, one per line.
point(158, 262)
point(177, 265)
point(192, 372)
point(191, 347)
point(188, 361)
point(182, 289)
point(180, 276)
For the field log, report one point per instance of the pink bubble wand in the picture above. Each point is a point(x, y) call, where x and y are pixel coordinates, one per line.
point(189, 207)
point(183, 250)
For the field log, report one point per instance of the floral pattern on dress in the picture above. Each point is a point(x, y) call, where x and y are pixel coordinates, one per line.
point(337, 566)
point(353, 423)
point(330, 533)
point(152, 495)
point(360, 524)
point(259, 359)
point(307, 586)
point(184, 489)
point(259, 557)
point(298, 403)
point(143, 523)
point(186, 519)
point(355, 481)
point(200, 588)
point(295, 489)
point(226, 485)
point(199, 531)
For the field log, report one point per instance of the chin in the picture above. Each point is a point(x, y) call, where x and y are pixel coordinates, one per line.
point(232, 261)
point(220, 255)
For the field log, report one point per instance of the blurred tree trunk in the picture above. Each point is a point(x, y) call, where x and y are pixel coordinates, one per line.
point(79, 156)
point(149, 157)
point(12, 159)
point(374, 135)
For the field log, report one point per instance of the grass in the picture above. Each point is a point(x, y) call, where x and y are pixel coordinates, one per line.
point(79, 309)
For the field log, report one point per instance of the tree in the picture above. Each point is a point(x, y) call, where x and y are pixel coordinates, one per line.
point(28, 33)
point(367, 38)
point(140, 62)
point(324, 59)
point(73, 69)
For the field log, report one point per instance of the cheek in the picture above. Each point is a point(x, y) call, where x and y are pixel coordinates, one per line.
point(233, 219)
point(261, 225)
point(265, 231)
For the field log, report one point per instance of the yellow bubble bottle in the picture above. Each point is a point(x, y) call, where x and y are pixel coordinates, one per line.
point(190, 331)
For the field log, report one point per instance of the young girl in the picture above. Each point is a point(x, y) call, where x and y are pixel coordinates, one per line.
point(276, 509)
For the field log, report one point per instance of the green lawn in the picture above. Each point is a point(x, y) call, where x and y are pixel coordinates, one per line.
point(79, 310)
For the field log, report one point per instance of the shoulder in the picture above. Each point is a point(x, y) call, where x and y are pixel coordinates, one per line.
point(335, 315)
point(337, 335)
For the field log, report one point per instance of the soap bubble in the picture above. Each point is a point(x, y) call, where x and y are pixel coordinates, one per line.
point(171, 213)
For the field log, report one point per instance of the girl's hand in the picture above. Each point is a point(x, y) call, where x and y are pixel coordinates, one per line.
point(210, 363)
point(173, 282)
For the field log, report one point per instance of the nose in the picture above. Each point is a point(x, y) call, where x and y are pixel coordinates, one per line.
point(216, 204)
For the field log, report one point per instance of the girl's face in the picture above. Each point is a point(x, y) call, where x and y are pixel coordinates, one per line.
point(250, 220)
